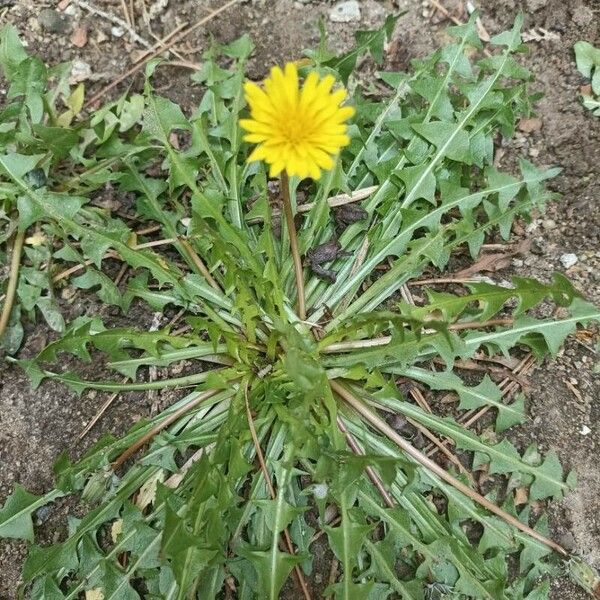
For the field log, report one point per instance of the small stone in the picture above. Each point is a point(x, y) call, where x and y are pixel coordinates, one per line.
point(517, 262)
point(117, 31)
point(101, 36)
point(80, 71)
point(345, 12)
point(533, 225)
point(33, 24)
point(53, 21)
point(320, 490)
point(42, 514)
point(568, 260)
point(79, 37)
point(549, 224)
point(585, 430)
point(529, 125)
point(534, 152)
point(567, 540)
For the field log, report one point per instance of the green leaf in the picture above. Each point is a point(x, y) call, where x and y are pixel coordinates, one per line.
point(419, 181)
point(502, 457)
point(346, 541)
point(16, 514)
point(366, 41)
point(12, 53)
point(449, 138)
point(587, 58)
point(29, 81)
point(161, 117)
point(272, 568)
point(486, 393)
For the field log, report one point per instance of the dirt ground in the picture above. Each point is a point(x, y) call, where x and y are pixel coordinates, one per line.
point(564, 410)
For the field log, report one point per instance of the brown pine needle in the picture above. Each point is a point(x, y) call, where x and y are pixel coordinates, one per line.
point(441, 447)
point(125, 12)
point(297, 260)
point(201, 397)
point(373, 476)
point(97, 416)
point(442, 281)
point(378, 423)
point(200, 264)
point(263, 467)
point(13, 278)
point(507, 385)
point(417, 395)
point(162, 48)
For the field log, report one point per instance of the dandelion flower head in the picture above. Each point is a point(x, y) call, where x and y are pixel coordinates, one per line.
point(297, 130)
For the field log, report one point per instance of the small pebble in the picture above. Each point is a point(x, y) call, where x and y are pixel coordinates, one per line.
point(549, 224)
point(117, 31)
point(53, 21)
point(585, 430)
point(320, 490)
point(568, 260)
point(80, 71)
point(345, 12)
point(567, 540)
point(42, 514)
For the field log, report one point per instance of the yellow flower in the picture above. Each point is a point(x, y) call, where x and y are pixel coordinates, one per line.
point(297, 130)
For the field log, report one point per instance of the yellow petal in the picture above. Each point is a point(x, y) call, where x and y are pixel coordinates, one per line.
point(299, 130)
point(259, 153)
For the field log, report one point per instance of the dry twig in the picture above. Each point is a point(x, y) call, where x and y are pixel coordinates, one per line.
point(115, 20)
point(97, 416)
point(375, 421)
point(156, 51)
point(171, 418)
point(13, 279)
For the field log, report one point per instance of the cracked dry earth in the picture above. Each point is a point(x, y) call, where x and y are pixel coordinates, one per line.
point(564, 408)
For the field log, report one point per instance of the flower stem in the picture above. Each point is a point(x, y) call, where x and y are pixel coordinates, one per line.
point(291, 227)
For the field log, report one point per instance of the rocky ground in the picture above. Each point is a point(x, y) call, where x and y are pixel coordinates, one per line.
point(36, 425)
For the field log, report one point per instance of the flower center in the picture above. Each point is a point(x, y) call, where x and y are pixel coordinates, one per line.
point(294, 131)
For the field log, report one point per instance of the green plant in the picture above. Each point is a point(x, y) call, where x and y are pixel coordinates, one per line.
point(289, 427)
point(588, 64)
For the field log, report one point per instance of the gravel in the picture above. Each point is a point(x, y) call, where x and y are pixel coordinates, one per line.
point(53, 21)
point(568, 260)
point(345, 12)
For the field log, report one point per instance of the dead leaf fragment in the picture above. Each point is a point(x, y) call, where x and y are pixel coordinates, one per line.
point(530, 125)
point(495, 261)
point(37, 239)
point(521, 496)
point(116, 529)
point(586, 90)
point(63, 4)
point(80, 37)
point(540, 34)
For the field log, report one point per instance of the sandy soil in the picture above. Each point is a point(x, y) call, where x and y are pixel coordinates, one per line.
point(36, 425)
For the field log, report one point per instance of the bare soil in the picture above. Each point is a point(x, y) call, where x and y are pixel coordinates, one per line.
point(36, 425)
